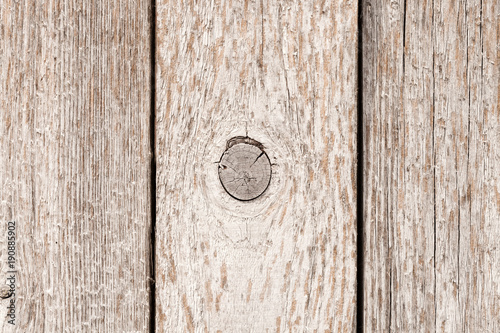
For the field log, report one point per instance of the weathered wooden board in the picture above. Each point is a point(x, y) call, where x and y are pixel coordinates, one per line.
point(283, 73)
point(75, 163)
point(431, 122)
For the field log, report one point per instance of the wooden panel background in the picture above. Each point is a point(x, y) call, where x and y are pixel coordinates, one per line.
point(75, 163)
point(283, 73)
point(432, 178)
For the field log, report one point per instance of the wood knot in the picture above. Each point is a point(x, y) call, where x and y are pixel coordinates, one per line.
point(5, 292)
point(244, 169)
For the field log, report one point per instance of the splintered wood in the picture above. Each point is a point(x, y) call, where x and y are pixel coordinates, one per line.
point(431, 95)
point(74, 164)
point(284, 74)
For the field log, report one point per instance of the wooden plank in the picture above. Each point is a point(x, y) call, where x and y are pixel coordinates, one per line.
point(479, 200)
point(431, 133)
point(284, 74)
point(75, 163)
point(383, 145)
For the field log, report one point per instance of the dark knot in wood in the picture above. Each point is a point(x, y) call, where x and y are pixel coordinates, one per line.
point(5, 292)
point(244, 169)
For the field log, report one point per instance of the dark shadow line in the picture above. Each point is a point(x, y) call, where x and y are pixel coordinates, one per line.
point(152, 138)
point(359, 180)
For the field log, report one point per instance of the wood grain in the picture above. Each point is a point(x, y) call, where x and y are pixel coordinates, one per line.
point(74, 163)
point(432, 178)
point(283, 73)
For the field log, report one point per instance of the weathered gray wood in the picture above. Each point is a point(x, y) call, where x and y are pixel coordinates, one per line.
point(74, 163)
point(283, 73)
point(432, 176)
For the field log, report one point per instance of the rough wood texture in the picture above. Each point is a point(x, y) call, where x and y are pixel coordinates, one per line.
point(74, 162)
point(283, 72)
point(432, 177)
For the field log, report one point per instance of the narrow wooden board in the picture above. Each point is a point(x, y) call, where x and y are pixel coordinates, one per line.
point(283, 73)
point(432, 177)
point(75, 163)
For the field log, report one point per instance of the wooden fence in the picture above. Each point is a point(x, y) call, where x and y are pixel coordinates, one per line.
point(380, 122)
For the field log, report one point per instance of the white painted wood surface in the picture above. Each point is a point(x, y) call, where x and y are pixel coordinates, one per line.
point(75, 171)
point(74, 163)
point(431, 95)
point(283, 73)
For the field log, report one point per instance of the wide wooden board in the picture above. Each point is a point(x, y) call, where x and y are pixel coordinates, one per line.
point(75, 163)
point(284, 74)
point(431, 132)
